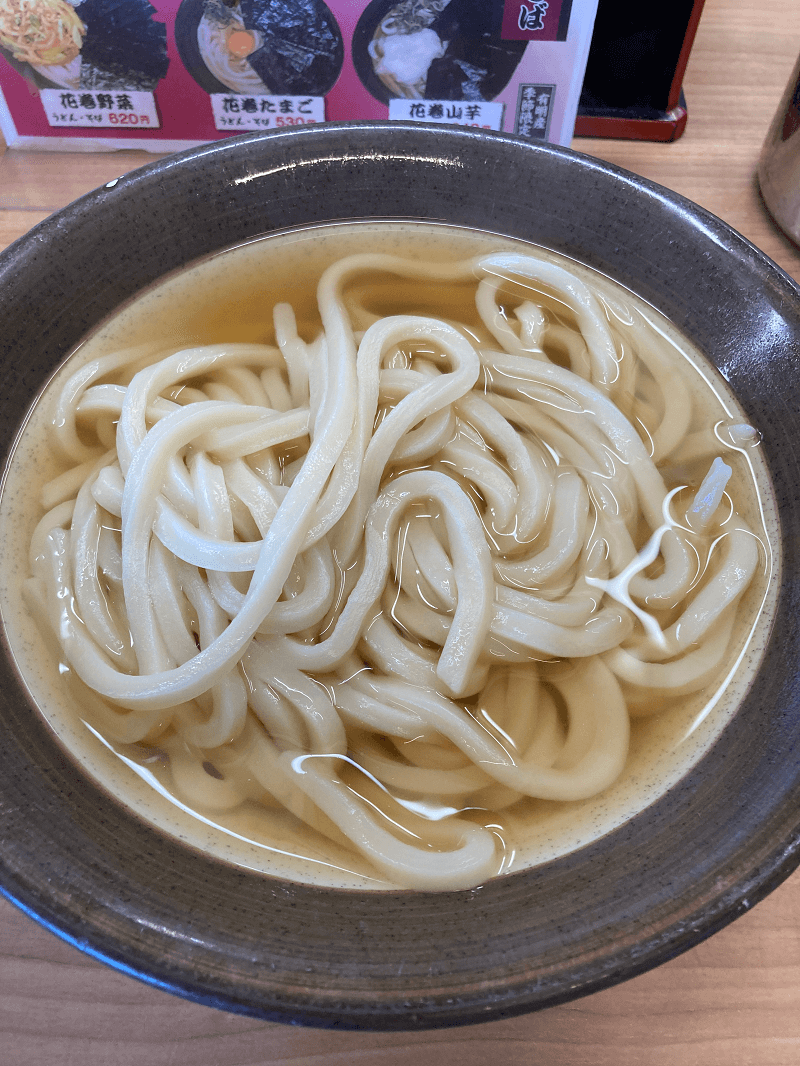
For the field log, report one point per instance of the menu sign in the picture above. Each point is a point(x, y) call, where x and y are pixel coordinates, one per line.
point(105, 110)
point(235, 114)
point(168, 74)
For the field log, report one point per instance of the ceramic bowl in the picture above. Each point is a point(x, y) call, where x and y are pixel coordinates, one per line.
point(717, 842)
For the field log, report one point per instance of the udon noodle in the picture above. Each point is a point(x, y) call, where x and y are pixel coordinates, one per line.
point(396, 572)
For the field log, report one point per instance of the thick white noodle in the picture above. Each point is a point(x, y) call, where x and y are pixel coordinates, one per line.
point(388, 565)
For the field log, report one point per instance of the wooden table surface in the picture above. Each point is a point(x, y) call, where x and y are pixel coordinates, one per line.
point(733, 1000)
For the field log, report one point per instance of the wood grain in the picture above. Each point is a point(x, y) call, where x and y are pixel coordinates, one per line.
point(49, 180)
point(733, 1000)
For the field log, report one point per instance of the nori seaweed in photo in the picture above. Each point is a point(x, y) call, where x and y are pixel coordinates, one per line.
point(454, 79)
point(123, 47)
point(302, 51)
point(476, 62)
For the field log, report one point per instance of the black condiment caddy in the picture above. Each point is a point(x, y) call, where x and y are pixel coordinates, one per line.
point(634, 75)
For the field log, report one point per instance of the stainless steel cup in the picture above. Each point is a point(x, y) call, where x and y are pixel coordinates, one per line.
point(779, 166)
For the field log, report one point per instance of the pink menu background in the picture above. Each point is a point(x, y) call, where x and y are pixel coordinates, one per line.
point(185, 109)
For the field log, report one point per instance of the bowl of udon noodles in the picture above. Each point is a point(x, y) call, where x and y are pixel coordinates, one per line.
point(399, 536)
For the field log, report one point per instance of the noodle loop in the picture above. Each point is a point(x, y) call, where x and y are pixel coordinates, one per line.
point(398, 572)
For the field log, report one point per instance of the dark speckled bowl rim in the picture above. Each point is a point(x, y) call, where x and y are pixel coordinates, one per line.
point(712, 847)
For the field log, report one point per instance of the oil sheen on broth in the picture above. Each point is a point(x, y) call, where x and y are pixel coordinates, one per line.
point(510, 457)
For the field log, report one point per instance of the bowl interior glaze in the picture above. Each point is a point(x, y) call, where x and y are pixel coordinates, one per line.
point(712, 846)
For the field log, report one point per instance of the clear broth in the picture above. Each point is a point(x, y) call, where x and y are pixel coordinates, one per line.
point(222, 299)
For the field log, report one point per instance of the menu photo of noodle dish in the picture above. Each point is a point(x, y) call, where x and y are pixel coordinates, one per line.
point(434, 48)
point(109, 56)
point(458, 56)
point(260, 46)
point(85, 44)
point(171, 74)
